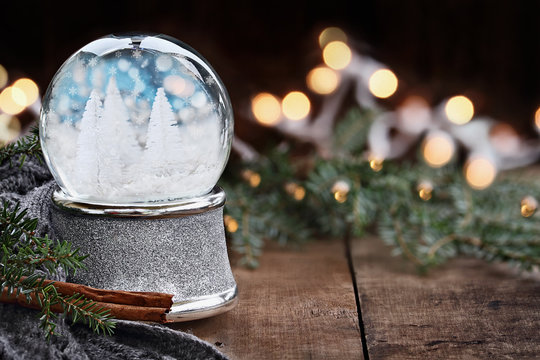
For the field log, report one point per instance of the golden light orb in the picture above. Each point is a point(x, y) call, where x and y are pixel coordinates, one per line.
point(3, 76)
point(459, 110)
point(340, 189)
point(480, 173)
point(230, 223)
point(425, 190)
point(295, 105)
point(537, 118)
point(10, 128)
point(323, 80)
point(438, 149)
point(337, 55)
point(528, 206)
point(12, 100)
point(296, 191)
point(252, 177)
point(266, 108)
point(29, 88)
point(383, 83)
point(375, 163)
point(331, 34)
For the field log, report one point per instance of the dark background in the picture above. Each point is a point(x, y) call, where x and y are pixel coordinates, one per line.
point(487, 50)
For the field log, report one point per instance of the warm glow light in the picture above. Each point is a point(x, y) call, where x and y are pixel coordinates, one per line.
point(296, 191)
point(3, 76)
point(295, 105)
point(537, 118)
point(266, 109)
point(480, 173)
point(414, 115)
point(528, 206)
point(299, 193)
point(11, 99)
point(383, 83)
point(10, 128)
point(375, 163)
point(340, 189)
point(253, 178)
point(438, 149)
point(459, 110)
point(331, 34)
point(337, 55)
point(29, 88)
point(230, 223)
point(323, 80)
point(425, 190)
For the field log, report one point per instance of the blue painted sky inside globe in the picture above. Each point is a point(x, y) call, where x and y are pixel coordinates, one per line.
point(138, 73)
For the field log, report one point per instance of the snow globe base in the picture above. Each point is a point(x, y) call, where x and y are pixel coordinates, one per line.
point(177, 248)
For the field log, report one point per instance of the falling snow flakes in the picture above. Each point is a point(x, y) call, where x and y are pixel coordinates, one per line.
point(93, 62)
point(112, 71)
point(73, 91)
point(136, 54)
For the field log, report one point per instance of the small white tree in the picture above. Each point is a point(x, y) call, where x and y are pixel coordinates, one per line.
point(163, 144)
point(87, 161)
point(117, 142)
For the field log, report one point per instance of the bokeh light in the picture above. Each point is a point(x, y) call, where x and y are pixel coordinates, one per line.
point(438, 149)
point(504, 139)
point(414, 114)
point(252, 177)
point(375, 162)
point(331, 34)
point(383, 83)
point(529, 205)
point(459, 110)
point(322, 80)
point(30, 90)
point(340, 189)
point(295, 105)
point(230, 223)
point(3, 76)
point(480, 172)
point(425, 190)
point(537, 118)
point(337, 55)
point(266, 109)
point(12, 100)
point(298, 192)
point(10, 128)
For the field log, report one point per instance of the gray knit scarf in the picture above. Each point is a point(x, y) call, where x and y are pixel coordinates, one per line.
point(20, 337)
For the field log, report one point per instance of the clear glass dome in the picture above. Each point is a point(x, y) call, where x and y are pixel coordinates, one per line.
point(134, 119)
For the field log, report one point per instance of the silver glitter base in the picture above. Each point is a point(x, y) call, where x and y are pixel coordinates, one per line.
point(179, 249)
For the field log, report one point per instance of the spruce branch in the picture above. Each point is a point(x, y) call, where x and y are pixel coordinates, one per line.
point(24, 255)
point(25, 147)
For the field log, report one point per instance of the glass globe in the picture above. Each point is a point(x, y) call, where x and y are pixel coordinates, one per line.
point(136, 119)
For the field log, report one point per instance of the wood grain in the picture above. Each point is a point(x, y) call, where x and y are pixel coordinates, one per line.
point(467, 309)
point(297, 305)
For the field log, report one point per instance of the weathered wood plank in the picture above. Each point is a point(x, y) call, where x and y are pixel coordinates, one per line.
point(297, 305)
point(467, 309)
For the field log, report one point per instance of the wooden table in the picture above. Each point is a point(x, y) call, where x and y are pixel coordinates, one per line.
point(337, 300)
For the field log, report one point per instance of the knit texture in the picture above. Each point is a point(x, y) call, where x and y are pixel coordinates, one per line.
point(20, 337)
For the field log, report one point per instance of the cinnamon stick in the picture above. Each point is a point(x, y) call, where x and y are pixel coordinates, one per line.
point(136, 298)
point(119, 311)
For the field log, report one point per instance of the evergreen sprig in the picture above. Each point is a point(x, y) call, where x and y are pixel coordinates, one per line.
point(26, 146)
point(24, 255)
point(455, 219)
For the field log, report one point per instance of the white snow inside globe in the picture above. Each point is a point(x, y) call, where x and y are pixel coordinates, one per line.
point(132, 119)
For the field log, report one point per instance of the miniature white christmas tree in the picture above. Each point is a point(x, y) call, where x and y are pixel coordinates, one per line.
point(117, 144)
point(163, 144)
point(87, 161)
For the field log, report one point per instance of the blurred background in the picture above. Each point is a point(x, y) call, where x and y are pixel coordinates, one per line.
point(488, 51)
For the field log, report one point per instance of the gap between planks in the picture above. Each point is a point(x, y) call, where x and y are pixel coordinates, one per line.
point(296, 305)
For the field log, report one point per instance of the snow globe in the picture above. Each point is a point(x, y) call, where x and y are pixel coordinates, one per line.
point(136, 130)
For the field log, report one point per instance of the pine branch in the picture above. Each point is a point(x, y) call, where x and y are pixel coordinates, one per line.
point(23, 254)
point(25, 147)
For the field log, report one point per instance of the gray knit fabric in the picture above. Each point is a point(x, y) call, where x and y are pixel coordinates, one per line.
point(20, 337)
